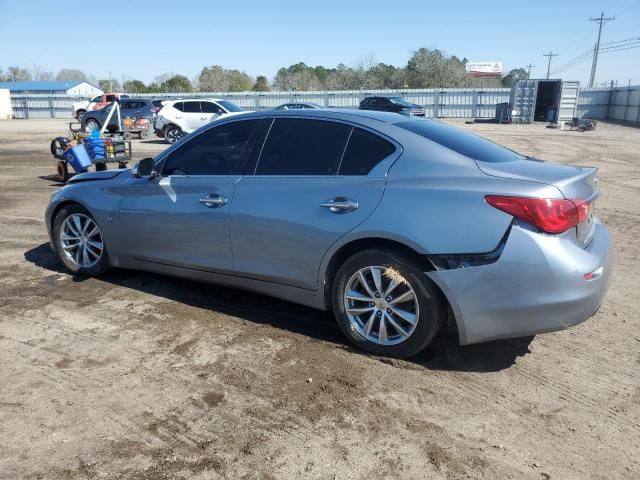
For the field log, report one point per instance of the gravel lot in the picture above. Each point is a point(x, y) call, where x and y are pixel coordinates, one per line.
point(139, 376)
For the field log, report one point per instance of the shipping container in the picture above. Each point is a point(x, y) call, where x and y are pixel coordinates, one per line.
point(544, 100)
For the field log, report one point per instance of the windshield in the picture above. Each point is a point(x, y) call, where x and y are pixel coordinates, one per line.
point(403, 102)
point(462, 142)
point(230, 106)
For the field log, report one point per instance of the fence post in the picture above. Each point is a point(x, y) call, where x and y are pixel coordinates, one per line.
point(612, 99)
point(436, 104)
point(626, 104)
point(52, 109)
point(474, 103)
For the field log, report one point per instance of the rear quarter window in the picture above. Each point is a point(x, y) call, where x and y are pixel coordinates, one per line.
point(464, 143)
point(364, 151)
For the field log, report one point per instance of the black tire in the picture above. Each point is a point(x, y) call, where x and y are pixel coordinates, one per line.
point(62, 170)
point(172, 134)
point(144, 134)
point(432, 309)
point(102, 266)
point(126, 135)
point(80, 114)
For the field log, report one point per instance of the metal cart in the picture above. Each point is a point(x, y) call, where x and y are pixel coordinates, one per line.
point(62, 149)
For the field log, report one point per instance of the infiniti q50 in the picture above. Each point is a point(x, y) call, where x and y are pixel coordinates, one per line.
point(394, 224)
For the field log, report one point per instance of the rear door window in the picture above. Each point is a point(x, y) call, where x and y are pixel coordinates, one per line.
point(222, 150)
point(364, 151)
point(302, 147)
point(462, 142)
point(179, 106)
point(191, 107)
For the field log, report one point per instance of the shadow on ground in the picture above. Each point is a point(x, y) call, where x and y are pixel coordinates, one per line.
point(444, 353)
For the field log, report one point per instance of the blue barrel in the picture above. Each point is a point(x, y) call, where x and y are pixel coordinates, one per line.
point(78, 158)
point(95, 147)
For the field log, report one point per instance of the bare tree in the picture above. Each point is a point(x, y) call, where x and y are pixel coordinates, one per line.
point(18, 74)
point(71, 74)
point(213, 79)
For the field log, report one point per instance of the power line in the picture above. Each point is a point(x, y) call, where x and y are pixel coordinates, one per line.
point(630, 44)
point(630, 39)
point(587, 52)
point(621, 49)
point(600, 21)
point(575, 64)
point(550, 55)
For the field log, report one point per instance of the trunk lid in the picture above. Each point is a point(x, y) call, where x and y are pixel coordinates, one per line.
point(575, 183)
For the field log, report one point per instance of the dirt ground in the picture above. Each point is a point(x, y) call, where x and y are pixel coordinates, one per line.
point(139, 376)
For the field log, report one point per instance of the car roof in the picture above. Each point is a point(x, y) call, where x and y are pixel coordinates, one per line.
point(196, 99)
point(335, 114)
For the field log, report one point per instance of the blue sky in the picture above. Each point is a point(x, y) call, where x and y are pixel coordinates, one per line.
point(259, 36)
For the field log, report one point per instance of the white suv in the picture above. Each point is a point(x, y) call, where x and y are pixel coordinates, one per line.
point(179, 117)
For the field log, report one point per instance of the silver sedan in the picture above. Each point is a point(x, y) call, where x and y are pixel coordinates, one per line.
point(394, 224)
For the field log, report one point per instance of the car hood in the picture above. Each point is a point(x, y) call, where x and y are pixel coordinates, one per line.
point(91, 176)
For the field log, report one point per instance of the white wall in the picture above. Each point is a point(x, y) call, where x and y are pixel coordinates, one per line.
point(84, 89)
point(5, 104)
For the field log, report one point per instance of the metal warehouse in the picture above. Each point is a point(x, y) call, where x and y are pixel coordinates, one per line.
point(71, 88)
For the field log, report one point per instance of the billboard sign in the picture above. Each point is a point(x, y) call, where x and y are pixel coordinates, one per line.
point(484, 68)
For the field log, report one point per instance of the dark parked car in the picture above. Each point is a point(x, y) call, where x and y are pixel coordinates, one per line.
point(298, 106)
point(392, 104)
point(129, 107)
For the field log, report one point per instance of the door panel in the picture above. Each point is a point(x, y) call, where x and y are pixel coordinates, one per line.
point(165, 221)
point(280, 231)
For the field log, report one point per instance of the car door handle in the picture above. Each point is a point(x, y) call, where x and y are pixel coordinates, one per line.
point(213, 200)
point(178, 117)
point(340, 205)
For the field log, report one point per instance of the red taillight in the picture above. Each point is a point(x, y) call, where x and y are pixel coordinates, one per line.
point(549, 215)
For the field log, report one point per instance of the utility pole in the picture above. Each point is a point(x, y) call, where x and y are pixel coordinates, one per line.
point(600, 21)
point(529, 71)
point(550, 55)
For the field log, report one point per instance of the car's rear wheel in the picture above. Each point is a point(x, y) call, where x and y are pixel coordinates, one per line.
point(385, 304)
point(79, 242)
point(172, 134)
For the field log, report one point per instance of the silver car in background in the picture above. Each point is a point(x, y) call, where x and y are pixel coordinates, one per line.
point(394, 224)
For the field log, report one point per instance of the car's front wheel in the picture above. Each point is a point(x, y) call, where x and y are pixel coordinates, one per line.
point(385, 304)
point(79, 242)
point(91, 124)
point(172, 134)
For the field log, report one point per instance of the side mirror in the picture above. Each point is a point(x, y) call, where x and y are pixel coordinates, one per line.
point(145, 168)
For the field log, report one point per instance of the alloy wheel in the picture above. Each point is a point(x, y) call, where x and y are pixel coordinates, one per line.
point(173, 135)
point(381, 305)
point(81, 240)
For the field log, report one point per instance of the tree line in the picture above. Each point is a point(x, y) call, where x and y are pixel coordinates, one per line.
point(426, 68)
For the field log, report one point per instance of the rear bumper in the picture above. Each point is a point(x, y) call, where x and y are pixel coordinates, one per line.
point(536, 286)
